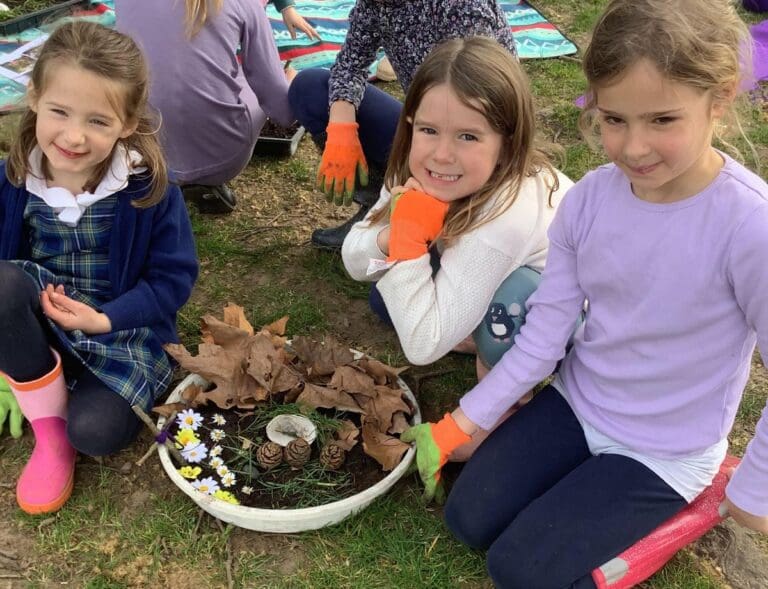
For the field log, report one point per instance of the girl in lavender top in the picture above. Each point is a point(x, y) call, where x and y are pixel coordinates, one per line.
point(667, 243)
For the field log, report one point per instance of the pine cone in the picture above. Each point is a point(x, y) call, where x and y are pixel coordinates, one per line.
point(332, 456)
point(297, 452)
point(269, 455)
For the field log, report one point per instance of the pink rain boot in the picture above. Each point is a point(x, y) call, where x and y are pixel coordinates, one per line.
point(46, 481)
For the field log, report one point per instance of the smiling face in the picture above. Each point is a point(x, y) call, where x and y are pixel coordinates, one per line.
point(77, 124)
point(659, 132)
point(454, 150)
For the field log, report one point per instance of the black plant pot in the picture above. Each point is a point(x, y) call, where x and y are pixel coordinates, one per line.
point(268, 146)
point(16, 25)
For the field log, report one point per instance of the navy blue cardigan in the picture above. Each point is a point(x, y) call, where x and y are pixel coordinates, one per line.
point(152, 259)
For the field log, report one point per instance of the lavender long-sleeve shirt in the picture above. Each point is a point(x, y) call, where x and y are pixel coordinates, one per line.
point(213, 108)
point(678, 297)
point(407, 30)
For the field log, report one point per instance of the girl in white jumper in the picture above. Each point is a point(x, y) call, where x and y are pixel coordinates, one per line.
point(474, 196)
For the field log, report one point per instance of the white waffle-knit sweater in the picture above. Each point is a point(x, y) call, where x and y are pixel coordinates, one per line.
point(432, 314)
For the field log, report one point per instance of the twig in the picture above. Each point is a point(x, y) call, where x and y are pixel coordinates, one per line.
point(46, 522)
point(199, 519)
point(147, 454)
point(7, 485)
point(156, 432)
point(571, 58)
point(10, 576)
point(230, 577)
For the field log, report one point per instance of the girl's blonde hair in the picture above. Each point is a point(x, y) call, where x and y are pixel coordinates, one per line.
point(116, 59)
point(703, 44)
point(198, 13)
point(488, 79)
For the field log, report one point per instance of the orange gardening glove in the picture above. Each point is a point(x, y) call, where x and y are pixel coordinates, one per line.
point(416, 220)
point(434, 443)
point(343, 160)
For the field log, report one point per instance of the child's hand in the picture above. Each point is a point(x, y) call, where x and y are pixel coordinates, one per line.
point(293, 20)
point(9, 408)
point(70, 314)
point(434, 443)
point(342, 162)
point(399, 191)
point(744, 518)
point(416, 221)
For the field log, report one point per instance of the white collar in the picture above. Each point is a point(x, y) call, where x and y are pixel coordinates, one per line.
point(70, 207)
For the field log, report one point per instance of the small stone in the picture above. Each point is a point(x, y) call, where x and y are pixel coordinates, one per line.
point(297, 453)
point(332, 456)
point(126, 467)
point(269, 455)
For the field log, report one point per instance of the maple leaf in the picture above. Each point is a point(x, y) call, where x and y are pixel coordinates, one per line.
point(381, 373)
point(235, 316)
point(352, 380)
point(317, 396)
point(346, 435)
point(386, 450)
point(321, 358)
point(383, 405)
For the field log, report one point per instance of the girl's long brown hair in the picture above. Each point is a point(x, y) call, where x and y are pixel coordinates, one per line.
point(198, 12)
point(116, 59)
point(488, 79)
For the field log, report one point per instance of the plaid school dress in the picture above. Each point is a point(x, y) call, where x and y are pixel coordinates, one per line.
point(130, 362)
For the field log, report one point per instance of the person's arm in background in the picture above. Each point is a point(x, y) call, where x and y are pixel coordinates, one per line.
point(293, 20)
point(263, 69)
point(343, 159)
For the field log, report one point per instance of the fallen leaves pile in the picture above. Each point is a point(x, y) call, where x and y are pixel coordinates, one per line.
point(248, 367)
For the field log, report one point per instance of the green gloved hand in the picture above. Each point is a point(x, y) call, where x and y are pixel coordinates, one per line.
point(434, 443)
point(9, 408)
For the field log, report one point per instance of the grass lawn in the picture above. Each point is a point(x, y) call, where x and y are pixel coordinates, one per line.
point(129, 526)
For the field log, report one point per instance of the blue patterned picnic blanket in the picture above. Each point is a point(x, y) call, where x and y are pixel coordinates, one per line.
point(534, 35)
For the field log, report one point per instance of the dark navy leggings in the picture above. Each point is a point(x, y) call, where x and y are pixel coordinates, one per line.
point(99, 421)
point(545, 509)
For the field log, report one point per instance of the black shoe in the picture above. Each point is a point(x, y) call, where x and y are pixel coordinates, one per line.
point(210, 200)
point(333, 237)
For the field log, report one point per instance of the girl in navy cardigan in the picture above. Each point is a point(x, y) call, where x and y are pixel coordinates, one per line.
point(96, 257)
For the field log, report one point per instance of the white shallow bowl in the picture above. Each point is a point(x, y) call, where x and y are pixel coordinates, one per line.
point(284, 520)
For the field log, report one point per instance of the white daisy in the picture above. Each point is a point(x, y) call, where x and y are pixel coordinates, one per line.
point(208, 485)
point(216, 462)
point(246, 490)
point(194, 452)
point(228, 479)
point(222, 470)
point(217, 435)
point(216, 450)
point(218, 419)
point(189, 418)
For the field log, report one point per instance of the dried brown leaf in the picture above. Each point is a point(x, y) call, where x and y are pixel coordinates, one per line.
point(381, 373)
point(386, 450)
point(235, 316)
point(399, 424)
point(383, 405)
point(169, 409)
point(347, 434)
point(352, 380)
point(217, 332)
point(190, 394)
point(316, 396)
point(277, 327)
point(321, 358)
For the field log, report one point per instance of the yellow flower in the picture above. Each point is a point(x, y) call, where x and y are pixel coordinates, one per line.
point(226, 496)
point(190, 472)
point(185, 436)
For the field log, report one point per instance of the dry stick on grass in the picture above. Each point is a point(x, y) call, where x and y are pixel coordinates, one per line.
point(158, 435)
point(230, 577)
